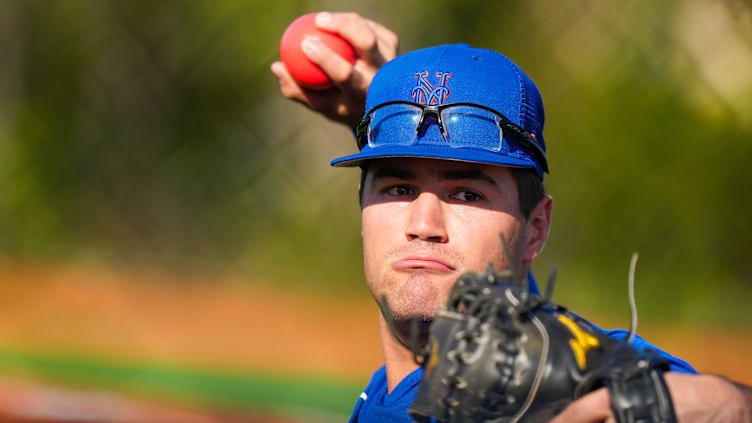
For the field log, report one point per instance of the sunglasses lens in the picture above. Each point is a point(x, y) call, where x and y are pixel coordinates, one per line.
point(395, 124)
point(468, 126)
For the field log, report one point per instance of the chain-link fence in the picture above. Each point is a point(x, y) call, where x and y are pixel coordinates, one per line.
point(152, 134)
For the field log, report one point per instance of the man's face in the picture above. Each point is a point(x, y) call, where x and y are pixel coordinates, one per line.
point(426, 222)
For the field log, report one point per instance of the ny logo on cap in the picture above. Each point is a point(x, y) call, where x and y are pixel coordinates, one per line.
point(425, 93)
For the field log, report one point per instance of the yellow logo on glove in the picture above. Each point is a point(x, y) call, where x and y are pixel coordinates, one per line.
point(433, 359)
point(582, 342)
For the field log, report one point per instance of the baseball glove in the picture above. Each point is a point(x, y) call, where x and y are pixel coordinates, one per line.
point(498, 353)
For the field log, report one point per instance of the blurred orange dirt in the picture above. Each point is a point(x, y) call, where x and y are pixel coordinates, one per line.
point(232, 324)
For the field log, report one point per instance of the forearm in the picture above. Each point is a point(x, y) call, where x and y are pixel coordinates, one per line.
point(709, 398)
point(696, 398)
point(745, 393)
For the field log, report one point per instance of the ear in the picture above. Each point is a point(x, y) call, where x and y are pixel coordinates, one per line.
point(537, 228)
point(360, 196)
point(360, 201)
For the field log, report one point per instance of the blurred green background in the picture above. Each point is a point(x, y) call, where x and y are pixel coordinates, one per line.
point(151, 135)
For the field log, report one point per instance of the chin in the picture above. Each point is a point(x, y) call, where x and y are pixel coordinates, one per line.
point(404, 309)
point(415, 294)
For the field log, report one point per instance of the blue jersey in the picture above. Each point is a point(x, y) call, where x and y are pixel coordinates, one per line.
point(375, 405)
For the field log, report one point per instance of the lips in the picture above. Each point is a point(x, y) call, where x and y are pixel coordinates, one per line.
point(423, 263)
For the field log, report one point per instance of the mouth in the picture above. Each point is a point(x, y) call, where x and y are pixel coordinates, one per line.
point(423, 263)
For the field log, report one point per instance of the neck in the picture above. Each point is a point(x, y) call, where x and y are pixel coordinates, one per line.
point(398, 360)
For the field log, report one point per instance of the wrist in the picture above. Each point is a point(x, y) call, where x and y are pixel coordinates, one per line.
point(738, 399)
point(745, 400)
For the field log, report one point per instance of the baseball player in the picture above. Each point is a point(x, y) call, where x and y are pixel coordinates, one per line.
point(452, 156)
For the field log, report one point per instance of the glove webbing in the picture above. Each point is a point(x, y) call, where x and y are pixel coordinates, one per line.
point(488, 313)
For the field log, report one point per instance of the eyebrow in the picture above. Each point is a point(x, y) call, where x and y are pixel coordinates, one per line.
point(448, 175)
point(470, 174)
point(393, 172)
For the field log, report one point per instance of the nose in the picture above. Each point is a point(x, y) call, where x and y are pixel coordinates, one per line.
point(426, 219)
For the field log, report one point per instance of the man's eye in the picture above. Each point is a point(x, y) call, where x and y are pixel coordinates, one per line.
point(466, 196)
point(400, 191)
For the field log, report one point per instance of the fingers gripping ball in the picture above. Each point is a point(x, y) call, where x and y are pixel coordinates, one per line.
point(305, 72)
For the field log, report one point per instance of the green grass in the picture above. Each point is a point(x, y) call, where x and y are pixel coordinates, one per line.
point(217, 390)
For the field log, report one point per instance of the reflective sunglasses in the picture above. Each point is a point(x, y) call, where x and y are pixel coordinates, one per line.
point(463, 125)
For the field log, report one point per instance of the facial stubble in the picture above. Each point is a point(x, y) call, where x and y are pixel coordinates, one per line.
point(424, 292)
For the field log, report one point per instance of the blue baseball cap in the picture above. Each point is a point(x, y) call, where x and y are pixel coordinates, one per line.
point(458, 73)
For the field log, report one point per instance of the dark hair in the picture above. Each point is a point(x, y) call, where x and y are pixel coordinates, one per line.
point(529, 187)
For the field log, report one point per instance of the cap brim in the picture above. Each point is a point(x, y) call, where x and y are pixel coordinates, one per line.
point(433, 152)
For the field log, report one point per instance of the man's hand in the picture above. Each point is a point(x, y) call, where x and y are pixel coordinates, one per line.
point(374, 46)
point(697, 398)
